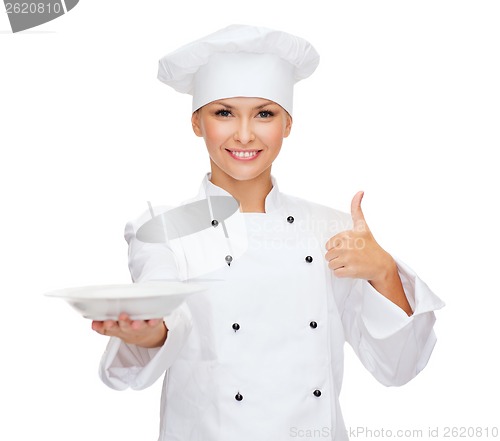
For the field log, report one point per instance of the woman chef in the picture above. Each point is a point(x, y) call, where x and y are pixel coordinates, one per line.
point(260, 354)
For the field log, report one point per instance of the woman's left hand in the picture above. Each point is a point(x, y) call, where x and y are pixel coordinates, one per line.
point(355, 253)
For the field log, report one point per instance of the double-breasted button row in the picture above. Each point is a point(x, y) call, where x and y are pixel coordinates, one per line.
point(228, 258)
point(239, 397)
point(291, 220)
point(236, 326)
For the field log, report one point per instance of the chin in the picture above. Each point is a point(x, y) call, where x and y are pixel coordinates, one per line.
point(247, 175)
point(239, 173)
point(244, 176)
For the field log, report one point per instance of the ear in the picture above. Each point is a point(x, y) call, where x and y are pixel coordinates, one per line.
point(195, 122)
point(288, 125)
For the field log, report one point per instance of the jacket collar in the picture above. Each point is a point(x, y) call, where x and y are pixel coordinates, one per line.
point(273, 199)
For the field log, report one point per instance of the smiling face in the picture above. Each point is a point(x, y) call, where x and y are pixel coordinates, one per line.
point(243, 136)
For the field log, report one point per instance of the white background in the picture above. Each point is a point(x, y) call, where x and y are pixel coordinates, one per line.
point(404, 105)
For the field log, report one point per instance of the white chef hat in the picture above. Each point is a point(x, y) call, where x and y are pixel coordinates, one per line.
point(240, 60)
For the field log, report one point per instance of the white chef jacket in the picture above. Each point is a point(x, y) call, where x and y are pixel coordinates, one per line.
point(259, 355)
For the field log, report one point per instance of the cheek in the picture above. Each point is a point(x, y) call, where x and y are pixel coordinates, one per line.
point(216, 133)
point(273, 137)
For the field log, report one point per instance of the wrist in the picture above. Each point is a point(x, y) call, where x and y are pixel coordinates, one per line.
point(157, 339)
point(387, 273)
point(388, 283)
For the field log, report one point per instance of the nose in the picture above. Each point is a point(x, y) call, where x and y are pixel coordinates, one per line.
point(244, 132)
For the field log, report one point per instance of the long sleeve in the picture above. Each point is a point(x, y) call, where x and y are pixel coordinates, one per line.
point(391, 345)
point(124, 365)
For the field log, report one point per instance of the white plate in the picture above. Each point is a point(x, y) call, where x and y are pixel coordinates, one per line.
point(141, 301)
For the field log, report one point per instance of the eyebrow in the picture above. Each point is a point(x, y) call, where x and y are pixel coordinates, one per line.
point(222, 103)
point(264, 105)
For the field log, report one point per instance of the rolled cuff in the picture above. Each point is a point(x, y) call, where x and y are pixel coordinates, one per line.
point(383, 318)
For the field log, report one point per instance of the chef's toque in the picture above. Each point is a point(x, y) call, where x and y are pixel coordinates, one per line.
point(240, 61)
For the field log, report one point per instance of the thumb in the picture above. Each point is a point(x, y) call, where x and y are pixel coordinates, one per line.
point(357, 215)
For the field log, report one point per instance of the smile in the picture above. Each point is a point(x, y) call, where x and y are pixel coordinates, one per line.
point(244, 154)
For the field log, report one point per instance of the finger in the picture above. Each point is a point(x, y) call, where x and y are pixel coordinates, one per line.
point(124, 321)
point(334, 242)
point(108, 324)
point(342, 272)
point(97, 326)
point(138, 325)
point(154, 322)
point(336, 264)
point(103, 327)
point(357, 215)
point(124, 317)
point(108, 327)
point(334, 253)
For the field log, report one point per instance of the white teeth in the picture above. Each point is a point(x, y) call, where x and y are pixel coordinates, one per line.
point(244, 154)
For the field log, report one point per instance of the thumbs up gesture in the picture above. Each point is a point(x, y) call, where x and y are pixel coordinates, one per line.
point(355, 253)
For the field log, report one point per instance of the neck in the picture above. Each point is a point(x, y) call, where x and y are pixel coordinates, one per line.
point(251, 194)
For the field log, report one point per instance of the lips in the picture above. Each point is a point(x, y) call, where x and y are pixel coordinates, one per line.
point(244, 155)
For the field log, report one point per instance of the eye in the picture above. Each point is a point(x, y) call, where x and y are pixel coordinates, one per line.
point(223, 112)
point(266, 114)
